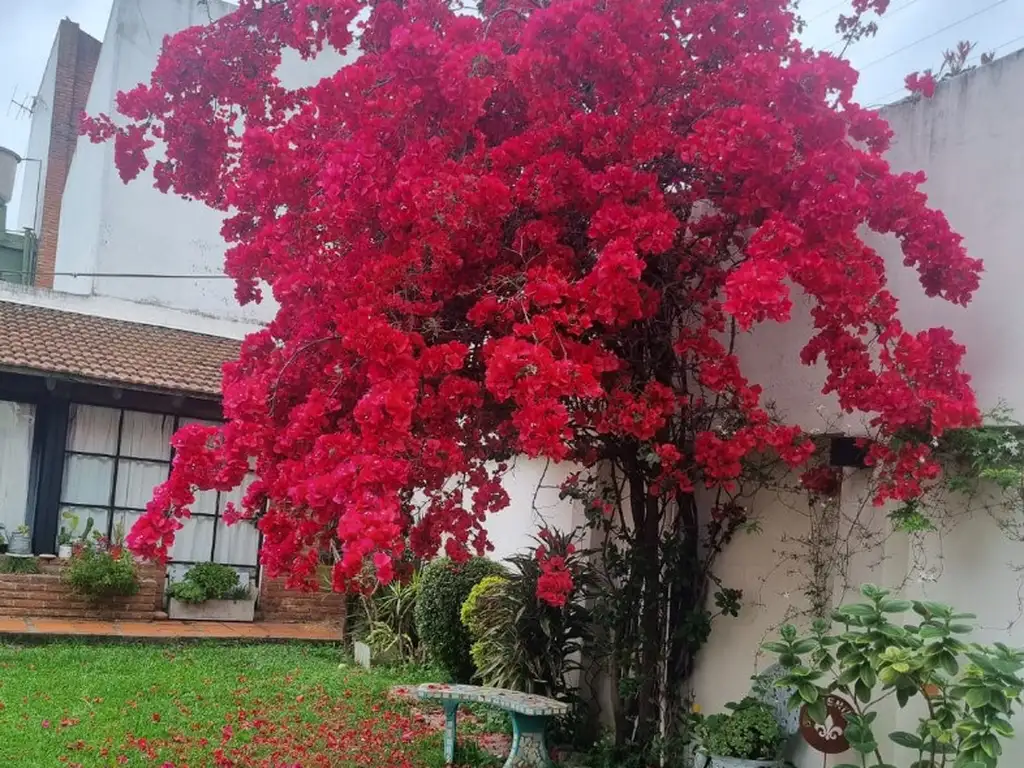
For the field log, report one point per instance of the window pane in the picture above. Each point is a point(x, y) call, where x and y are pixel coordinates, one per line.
point(87, 480)
point(205, 503)
point(92, 429)
point(17, 422)
point(126, 520)
point(237, 544)
point(135, 482)
point(147, 435)
point(194, 541)
point(84, 514)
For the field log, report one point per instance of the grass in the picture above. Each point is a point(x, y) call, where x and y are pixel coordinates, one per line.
point(226, 706)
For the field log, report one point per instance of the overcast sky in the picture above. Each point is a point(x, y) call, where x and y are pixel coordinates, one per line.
point(912, 37)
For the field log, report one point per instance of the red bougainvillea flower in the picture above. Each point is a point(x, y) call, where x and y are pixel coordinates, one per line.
point(921, 83)
point(531, 229)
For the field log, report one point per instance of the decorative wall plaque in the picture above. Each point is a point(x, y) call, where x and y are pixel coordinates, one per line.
point(828, 737)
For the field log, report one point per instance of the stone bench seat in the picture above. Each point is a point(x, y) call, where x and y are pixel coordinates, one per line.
point(530, 716)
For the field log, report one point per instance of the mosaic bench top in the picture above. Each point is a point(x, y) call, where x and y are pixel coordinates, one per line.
point(512, 701)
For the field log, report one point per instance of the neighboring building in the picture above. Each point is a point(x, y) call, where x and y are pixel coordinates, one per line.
point(87, 409)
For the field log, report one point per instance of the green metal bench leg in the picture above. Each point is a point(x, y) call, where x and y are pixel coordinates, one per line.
point(451, 708)
point(529, 748)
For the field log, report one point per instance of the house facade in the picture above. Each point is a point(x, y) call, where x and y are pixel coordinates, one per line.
point(121, 340)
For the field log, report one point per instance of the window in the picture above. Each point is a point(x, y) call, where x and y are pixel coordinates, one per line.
point(17, 425)
point(114, 459)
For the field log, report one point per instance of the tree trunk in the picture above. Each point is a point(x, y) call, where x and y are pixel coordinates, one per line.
point(646, 521)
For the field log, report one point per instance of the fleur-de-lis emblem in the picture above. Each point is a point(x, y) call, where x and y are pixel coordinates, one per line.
point(829, 730)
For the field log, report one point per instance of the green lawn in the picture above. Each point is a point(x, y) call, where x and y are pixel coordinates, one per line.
point(192, 706)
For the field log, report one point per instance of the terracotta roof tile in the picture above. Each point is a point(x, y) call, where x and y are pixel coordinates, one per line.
point(111, 351)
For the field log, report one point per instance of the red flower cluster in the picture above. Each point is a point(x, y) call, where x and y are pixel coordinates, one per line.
point(921, 83)
point(530, 230)
point(555, 584)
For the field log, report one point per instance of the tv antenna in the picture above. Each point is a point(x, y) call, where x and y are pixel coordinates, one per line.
point(26, 105)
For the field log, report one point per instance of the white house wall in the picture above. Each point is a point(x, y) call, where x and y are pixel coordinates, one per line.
point(30, 212)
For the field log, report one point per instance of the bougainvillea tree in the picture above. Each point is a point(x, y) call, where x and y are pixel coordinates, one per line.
point(537, 227)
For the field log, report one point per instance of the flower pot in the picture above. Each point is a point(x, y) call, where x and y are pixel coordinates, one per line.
point(212, 610)
point(713, 761)
point(366, 657)
point(19, 544)
point(64, 551)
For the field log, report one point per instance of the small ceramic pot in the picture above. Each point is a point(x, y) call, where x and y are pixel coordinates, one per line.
point(64, 551)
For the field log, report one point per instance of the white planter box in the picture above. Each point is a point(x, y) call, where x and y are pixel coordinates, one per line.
point(212, 610)
point(737, 762)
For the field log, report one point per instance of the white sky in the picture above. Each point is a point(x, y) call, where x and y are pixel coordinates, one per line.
point(912, 36)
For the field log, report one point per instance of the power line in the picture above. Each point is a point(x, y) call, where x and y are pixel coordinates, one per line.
point(885, 18)
point(828, 10)
point(977, 13)
point(132, 275)
point(884, 100)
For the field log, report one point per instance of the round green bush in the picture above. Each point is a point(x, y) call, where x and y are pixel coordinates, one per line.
point(99, 575)
point(444, 587)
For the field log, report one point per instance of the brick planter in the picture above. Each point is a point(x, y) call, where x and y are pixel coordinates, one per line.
point(277, 604)
point(45, 595)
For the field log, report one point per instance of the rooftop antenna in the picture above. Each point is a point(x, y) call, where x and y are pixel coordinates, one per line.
point(25, 106)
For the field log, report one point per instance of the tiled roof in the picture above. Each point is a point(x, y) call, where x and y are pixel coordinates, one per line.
point(99, 349)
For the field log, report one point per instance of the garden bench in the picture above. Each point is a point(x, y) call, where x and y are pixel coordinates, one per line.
point(530, 716)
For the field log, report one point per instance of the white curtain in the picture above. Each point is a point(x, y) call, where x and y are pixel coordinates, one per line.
point(17, 423)
point(92, 429)
point(194, 541)
point(238, 543)
point(135, 482)
point(87, 480)
point(147, 435)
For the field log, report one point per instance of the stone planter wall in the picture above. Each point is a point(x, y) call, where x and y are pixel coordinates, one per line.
point(278, 604)
point(44, 595)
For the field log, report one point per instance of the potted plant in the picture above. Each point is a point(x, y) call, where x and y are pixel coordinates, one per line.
point(211, 592)
point(969, 692)
point(748, 736)
point(66, 539)
point(19, 542)
point(100, 571)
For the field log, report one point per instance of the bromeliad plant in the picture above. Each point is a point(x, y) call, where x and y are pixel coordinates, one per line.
point(970, 691)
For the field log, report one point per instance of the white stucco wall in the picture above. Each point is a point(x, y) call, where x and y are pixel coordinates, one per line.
point(130, 311)
point(109, 227)
point(30, 211)
point(967, 141)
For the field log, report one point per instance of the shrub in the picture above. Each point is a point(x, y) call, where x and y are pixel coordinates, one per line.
point(99, 573)
point(24, 565)
point(971, 691)
point(208, 581)
point(749, 732)
point(388, 621)
point(444, 587)
point(489, 617)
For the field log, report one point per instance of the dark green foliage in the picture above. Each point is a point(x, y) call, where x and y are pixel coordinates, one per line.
point(19, 565)
point(98, 574)
point(208, 581)
point(444, 587)
point(749, 732)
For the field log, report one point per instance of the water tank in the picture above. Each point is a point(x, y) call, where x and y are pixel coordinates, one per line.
point(8, 168)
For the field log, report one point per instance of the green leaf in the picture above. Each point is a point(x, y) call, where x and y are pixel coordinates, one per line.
point(961, 629)
point(908, 740)
point(862, 692)
point(808, 692)
point(817, 711)
point(1002, 727)
point(949, 664)
point(801, 647)
point(774, 647)
point(978, 697)
point(896, 606)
